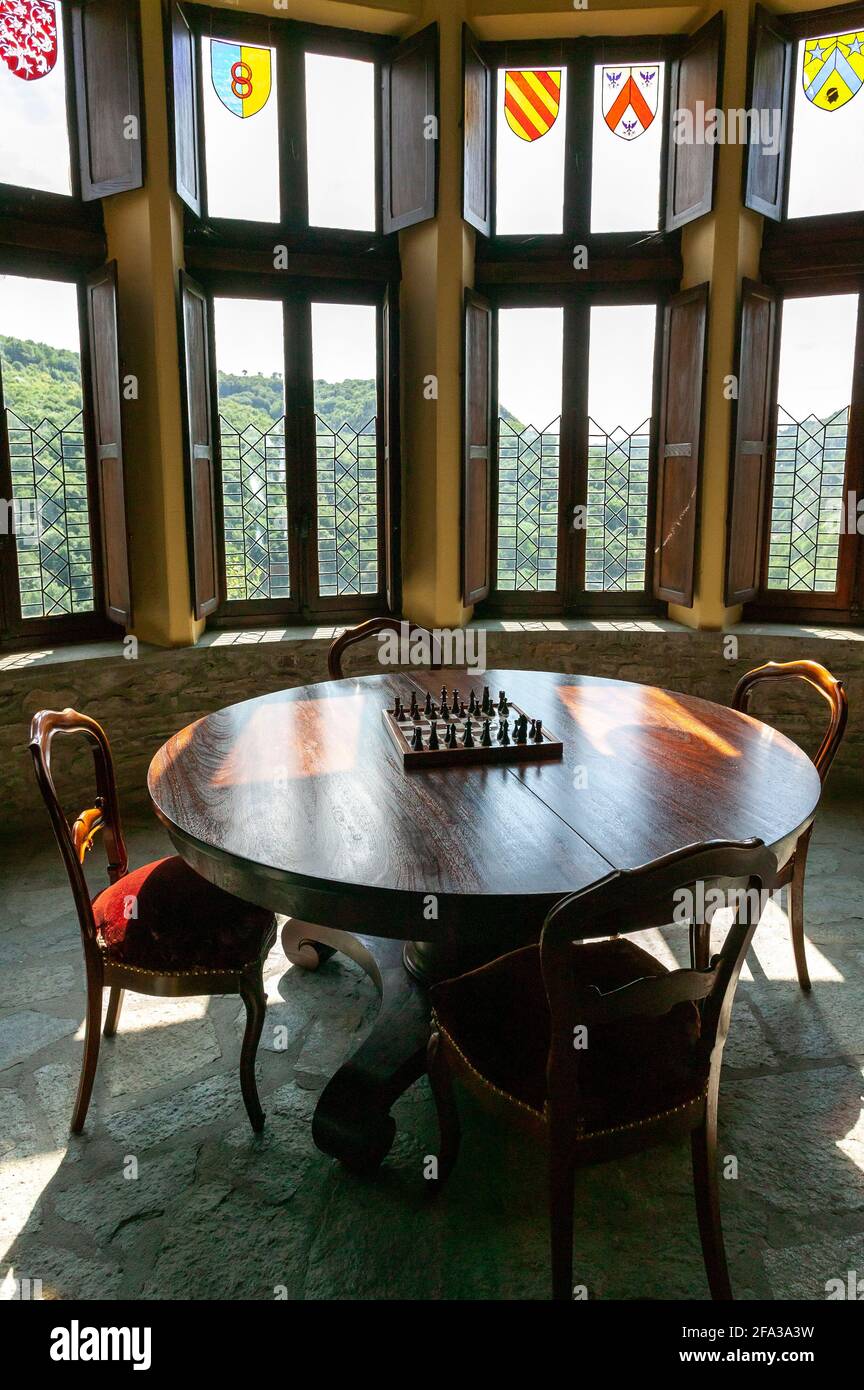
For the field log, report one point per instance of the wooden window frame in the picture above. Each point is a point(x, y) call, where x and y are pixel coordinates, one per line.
point(16, 632)
point(291, 39)
point(522, 255)
point(571, 599)
point(297, 293)
point(846, 605)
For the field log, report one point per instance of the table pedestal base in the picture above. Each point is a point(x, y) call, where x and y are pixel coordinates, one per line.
point(352, 1121)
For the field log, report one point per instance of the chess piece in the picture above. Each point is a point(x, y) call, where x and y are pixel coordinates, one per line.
point(504, 731)
point(455, 700)
point(472, 704)
point(433, 743)
point(415, 708)
point(433, 712)
point(417, 740)
point(462, 710)
point(468, 735)
point(486, 735)
point(398, 711)
point(520, 729)
point(427, 708)
point(445, 708)
point(538, 731)
point(503, 706)
point(451, 736)
point(486, 706)
point(533, 729)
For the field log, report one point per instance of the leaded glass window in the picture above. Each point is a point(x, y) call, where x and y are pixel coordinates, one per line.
point(627, 147)
point(40, 368)
point(808, 505)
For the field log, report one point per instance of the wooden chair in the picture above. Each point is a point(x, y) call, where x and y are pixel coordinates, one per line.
point(352, 635)
point(161, 929)
point(833, 693)
point(594, 1045)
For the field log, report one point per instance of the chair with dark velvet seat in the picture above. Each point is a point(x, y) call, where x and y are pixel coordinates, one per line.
point(832, 691)
point(159, 930)
point(595, 1046)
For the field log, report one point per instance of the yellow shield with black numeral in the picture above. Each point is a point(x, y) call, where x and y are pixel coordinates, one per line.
point(833, 70)
point(531, 101)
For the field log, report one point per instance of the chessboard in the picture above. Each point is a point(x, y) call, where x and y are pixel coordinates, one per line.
point(448, 732)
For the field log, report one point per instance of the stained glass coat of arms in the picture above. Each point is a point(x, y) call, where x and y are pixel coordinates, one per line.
point(833, 70)
point(630, 99)
point(532, 99)
point(241, 76)
point(28, 37)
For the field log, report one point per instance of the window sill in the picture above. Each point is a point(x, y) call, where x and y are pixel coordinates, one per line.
point(41, 656)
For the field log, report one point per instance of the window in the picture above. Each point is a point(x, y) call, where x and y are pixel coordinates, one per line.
point(307, 130)
point(56, 576)
point(828, 73)
point(573, 466)
point(33, 109)
point(299, 387)
point(580, 467)
point(42, 44)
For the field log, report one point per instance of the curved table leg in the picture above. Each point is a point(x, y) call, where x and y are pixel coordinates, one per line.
point(302, 944)
point(352, 1120)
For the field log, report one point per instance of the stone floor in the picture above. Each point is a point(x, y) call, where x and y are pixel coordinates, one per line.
point(168, 1195)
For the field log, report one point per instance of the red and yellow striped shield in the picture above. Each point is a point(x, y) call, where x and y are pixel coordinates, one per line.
point(531, 101)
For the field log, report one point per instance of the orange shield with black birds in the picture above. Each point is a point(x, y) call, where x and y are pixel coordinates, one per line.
point(532, 99)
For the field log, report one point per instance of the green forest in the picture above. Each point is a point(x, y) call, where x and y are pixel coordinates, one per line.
point(42, 382)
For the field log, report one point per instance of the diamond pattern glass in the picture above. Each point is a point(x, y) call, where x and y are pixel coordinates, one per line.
point(528, 463)
point(807, 502)
point(617, 521)
point(347, 461)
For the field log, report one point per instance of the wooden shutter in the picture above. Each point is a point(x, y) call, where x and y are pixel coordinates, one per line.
point(769, 89)
point(476, 135)
point(200, 462)
point(410, 158)
point(751, 452)
point(108, 434)
point(691, 167)
point(392, 457)
point(477, 448)
point(106, 52)
point(679, 445)
point(183, 86)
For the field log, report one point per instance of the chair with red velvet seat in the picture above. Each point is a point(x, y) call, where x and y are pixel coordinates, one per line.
point(832, 691)
point(160, 930)
point(596, 1047)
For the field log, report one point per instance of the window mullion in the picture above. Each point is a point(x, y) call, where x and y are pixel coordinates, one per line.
point(574, 450)
point(293, 182)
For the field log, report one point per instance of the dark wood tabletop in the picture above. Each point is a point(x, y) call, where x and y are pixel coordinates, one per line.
point(298, 800)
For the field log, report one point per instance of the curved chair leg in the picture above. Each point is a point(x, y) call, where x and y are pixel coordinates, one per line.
point(253, 996)
point(441, 1083)
point(703, 1143)
point(562, 1177)
point(796, 911)
point(92, 1028)
point(112, 1017)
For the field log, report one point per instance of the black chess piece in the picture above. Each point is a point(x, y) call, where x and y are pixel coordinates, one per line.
point(503, 731)
point(503, 706)
point(468, 735)
point(398, 711)
point(463, 713)
point(451, 736)
point(433, 711)
point(427, 708)
point(486, 735)
point(443, 694)
point(486, 706)
point(472, 704)
point(520, 729)
point(417, 740)
point(538, 731)
point(415, 708)
point(433, 743)
point(445, 708)
point(455, 700)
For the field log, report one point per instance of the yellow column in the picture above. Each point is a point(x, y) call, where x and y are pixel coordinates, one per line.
point(145, 236)
point(437, 264)
point(721, 248)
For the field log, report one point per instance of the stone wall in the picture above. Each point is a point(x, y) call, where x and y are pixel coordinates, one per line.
point(142, 702)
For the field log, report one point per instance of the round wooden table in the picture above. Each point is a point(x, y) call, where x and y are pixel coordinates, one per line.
point(298, 801)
